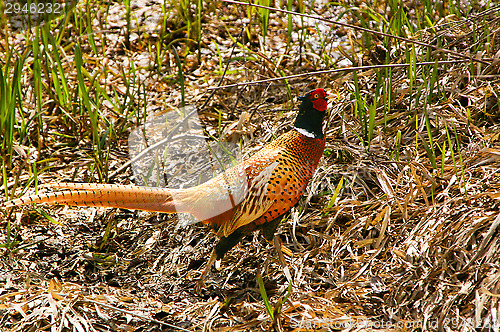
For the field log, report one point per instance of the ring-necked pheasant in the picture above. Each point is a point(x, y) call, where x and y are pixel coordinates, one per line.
point(250, 196)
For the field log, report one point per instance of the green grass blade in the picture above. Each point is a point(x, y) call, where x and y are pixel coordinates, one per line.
point(263, 293)
point(336, 193)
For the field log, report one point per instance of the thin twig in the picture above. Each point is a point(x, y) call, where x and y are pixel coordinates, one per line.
point(319, 72)
point(134, 314)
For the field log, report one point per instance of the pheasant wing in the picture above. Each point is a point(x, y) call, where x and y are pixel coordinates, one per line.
point(259, 170)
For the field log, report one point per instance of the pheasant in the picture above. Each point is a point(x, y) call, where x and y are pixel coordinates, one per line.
point(247, 197)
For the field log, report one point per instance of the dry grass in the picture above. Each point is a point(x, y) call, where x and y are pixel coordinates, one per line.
point(411, 241)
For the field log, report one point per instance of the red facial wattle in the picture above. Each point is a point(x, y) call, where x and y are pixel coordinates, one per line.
point(318, 98)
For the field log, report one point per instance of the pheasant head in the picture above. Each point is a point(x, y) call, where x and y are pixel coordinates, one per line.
point(309, 121)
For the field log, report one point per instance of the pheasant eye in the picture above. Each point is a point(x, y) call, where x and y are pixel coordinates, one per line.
point(316, 96)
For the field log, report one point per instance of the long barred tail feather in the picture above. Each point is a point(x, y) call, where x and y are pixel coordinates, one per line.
point(105, 195)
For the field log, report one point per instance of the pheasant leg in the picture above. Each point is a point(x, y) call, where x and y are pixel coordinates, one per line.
point(279, 250)
point(201, 282)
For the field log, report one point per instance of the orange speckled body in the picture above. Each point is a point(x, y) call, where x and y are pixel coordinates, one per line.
point(296, 166)
point(276, 178)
